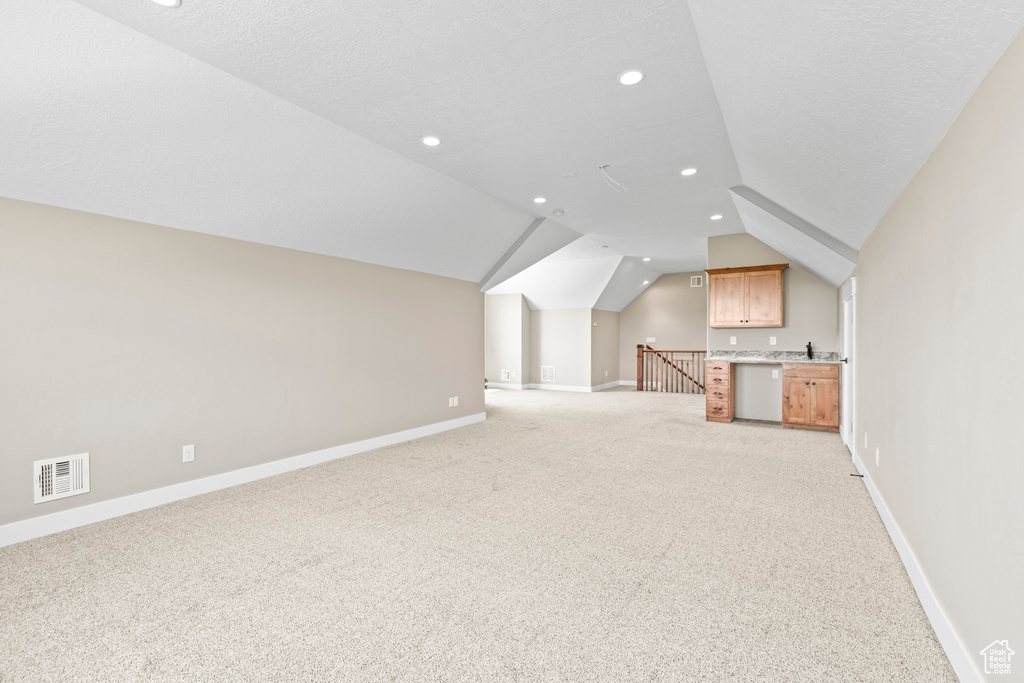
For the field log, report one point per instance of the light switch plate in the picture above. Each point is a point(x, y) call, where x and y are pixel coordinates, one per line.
point(775, 374)
point(771, 341)
point(732, 340)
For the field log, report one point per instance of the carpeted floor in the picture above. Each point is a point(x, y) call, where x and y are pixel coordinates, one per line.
point(614, 536)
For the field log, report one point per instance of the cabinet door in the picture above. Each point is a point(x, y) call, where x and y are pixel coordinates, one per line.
point(764, 299)
point(824, 408)
point(728, 295)
point(796, 400)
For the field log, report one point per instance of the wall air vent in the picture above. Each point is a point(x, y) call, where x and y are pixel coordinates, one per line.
point(696, 280)
point(547, 373)
point(61, 477)
point(506, 375)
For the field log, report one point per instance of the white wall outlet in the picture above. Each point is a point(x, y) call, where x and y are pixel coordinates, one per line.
point(775, 374)
point(605, 373)
point(876, 456)
point(771, 341)
point(188, 453)
point(732, 340)
point(451, 402)
point(651, 340)
point(865, 439)
point(456, 402)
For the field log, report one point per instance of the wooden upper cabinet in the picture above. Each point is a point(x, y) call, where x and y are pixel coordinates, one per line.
point(746, 297)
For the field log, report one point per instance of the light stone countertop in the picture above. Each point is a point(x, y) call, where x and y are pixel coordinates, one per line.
point(774, 357)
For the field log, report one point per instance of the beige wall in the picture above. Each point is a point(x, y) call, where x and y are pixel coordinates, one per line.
point(130, 341)
point(671, 311)
point(507, 340)
point(939, 380)
point(604, 347)
point(562, 338)
point(526, 341)
point(810, 313)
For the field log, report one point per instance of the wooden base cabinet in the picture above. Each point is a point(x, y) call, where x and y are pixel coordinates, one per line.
point(719, 380)
point(810, 396)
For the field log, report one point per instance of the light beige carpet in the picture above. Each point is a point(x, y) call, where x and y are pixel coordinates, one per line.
point(576, 537)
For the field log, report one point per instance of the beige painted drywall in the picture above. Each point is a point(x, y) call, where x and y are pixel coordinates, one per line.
point(671, 311)
point(604, 347)
point(503, 338)
point(130, 341)
point(526, 341)
point(810, 314)
point(939, 380)
point(561, 338)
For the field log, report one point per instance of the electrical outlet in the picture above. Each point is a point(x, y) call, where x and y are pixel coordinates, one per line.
point(188, 453)
point(732, 340)
point(775, 374)
point(865, 439)
point(605, 373)
point(876, 456)
point(451, 402)
point(456, 402)
point(651, 340)
point(771, 341)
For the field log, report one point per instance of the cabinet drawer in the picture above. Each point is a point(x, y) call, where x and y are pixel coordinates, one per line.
point(811, 371)
point(717, 409)
point(718, 394)
point(717, 381)
point(717, 367)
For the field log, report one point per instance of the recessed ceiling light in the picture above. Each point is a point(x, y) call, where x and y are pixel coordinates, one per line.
point(539, 200)
point(647, 258)
point(647, 282)
point(431, 141)
point(168, 3)
point(631, 77)
point(688, 171)
point(717, 217)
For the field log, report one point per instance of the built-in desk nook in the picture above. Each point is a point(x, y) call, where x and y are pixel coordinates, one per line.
point(810, 386)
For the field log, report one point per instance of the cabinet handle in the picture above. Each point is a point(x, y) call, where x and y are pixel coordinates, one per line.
point(806, 382)
point(814, 383)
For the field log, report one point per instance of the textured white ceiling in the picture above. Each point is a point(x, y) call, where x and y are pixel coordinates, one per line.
point(298, 124)
point(99, 118)
point(833, 106)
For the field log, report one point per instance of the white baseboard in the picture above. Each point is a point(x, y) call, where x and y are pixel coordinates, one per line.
point(498, 385)
point(15, 532)
point(959, 656)
point(570, 387)
point(627, 382)
point(557, 387)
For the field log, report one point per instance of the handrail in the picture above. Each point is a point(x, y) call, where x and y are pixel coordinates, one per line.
point(652, 370)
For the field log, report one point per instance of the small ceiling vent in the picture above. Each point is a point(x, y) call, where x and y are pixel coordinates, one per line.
point(547, 373)
point(696, 280)
point(61, 477)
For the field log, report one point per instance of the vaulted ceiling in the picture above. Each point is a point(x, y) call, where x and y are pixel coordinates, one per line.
point(299, 124)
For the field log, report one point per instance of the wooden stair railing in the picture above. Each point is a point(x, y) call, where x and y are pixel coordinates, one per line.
point(669, 370)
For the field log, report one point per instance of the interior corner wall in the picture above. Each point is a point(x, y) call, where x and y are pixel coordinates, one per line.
point(938, 379)
point(505, 331)
point(604, 348)
point(671, 311)
point(129, 341)
point(561, 338)
point(526, 340)
point(810, 313)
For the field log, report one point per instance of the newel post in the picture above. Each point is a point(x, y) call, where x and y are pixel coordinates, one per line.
point(639, 367)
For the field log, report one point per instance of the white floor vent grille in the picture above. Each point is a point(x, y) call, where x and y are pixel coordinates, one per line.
point(506, 375)
point(61, 477)
point(547, 373)
point(696, 280)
